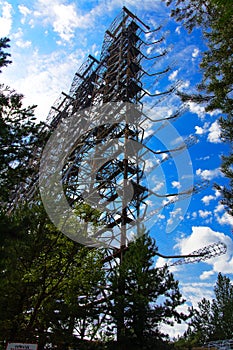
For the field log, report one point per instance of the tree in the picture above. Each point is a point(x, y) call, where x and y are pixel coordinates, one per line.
point(4, 44)
point(150, 297)
point(215, 18)
point(213, 320)
point(21, 138)
point(48, 283)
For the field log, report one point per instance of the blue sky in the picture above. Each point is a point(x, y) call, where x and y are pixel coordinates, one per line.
point(49, 41)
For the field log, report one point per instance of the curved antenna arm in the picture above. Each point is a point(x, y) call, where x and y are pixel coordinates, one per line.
point(153, 42)
point(152, 30)
point(157, 73)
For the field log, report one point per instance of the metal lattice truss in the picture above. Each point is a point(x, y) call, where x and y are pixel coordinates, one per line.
point(106, 167)
point(106, 96)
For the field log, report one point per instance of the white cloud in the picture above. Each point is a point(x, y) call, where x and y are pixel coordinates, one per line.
point(6, 18)
point(203, 236)
point(202, 130)
point(206, 199)
point(214, 133)
point(178, 30)
point(206, 274)
point(173, 75)
point(176, 184)
point(18, 36)
point(161, 216)
point(177, 213)
point(25, 11)
point(41, 81)
point(204, 213)
point(135, 4)
point(64, 19)
point(194, 292)
point(209, 174)
point(219, 208)
point(197, 109)
point(158, 186)
point(23, 44)
point(195, 52)
point(217, 193)
point(225, 219)
point(184, 85)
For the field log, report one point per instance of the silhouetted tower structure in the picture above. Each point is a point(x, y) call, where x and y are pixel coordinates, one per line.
point(113, 85)
point(105, 170)
point(115, 79)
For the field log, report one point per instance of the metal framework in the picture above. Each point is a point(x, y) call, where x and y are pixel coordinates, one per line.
point(114, 82)
point(110, 86)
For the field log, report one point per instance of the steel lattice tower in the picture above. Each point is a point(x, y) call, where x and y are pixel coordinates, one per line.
point(105, 175)
point(104, 171)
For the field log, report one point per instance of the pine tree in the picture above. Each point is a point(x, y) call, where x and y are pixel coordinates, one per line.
point(4, 44)
point(213, 320)
point(21, 138)
point(150, 298)
point(215, 18)
point(47, 282)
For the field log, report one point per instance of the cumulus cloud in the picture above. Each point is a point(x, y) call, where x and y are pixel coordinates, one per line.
point(206, 274)
point(173, 75)
point(194, 292)
point(203, 236)
point(206, 199)
point(195, 52)
point(66, 18)
point(176, 184)
point(158, 186)
point(6, 18)
point(178, 30)
point(18, 36)
point(63, 18)
point(41, 81)
point(197, 109)
point(177, 213)
point(219, 208)
point(25, 11)
point(204, 213)
point(225, 219)
point(209, 174)
point(202, 130)
point(214, 133)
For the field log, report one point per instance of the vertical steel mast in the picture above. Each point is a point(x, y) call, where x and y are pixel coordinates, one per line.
point(103, 176)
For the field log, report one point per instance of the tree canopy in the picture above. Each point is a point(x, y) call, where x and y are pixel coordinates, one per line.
point(213, 320)
point(215, 18)
point(151, 297)
point(21, 137)
point(4, 44)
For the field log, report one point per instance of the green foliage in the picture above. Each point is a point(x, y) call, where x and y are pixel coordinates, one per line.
point(215, 18)
point(21, 138)
point(143, 297)
point(43, 278)
point(216, 64)
point(4, 44)
point(213, 320)
point(49, 285)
